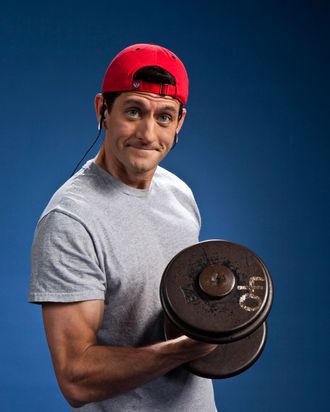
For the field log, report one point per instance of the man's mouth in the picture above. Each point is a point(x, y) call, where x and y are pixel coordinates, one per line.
point(142, 148)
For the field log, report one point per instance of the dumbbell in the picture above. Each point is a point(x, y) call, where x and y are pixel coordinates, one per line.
point(221, 292)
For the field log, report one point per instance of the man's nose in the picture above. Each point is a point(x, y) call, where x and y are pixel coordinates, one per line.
point(146, 130)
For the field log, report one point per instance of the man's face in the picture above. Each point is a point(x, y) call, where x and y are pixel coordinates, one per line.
point(140, 131)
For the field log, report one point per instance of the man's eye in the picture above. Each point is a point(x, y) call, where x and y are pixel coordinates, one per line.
point(165, 118)
point(133, 113)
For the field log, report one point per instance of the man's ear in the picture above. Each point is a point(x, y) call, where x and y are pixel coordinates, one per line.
point(180, 123)
point(100, 107)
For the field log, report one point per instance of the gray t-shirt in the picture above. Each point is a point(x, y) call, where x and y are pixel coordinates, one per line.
point(101, 239)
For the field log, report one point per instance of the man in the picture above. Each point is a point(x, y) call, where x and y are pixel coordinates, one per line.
point(103, 242)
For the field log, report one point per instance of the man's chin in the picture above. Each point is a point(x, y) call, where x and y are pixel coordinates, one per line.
point(141, 169)
point(144, 165)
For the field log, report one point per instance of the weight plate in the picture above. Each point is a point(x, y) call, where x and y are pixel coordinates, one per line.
point(216, 291)
point(228, 359)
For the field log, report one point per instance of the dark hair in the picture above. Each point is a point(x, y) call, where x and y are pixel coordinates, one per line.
point(151, 74)
point(154, 74)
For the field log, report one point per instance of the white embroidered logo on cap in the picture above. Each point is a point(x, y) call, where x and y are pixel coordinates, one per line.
point(136, 85)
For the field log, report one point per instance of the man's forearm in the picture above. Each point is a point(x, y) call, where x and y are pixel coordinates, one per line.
point(102, 372)
point(88, 372)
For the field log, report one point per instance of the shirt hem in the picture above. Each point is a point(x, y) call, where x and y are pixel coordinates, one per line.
point(65, 297)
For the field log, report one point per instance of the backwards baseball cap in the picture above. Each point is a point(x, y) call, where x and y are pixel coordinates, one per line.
point(119, 76)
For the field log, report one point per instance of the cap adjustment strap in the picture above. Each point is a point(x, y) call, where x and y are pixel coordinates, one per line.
point(162, 89)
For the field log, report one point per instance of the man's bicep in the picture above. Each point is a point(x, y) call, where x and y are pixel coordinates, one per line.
point(71, 328)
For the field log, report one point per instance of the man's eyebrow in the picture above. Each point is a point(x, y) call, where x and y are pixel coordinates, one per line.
point(137, 102)
point(169, 108)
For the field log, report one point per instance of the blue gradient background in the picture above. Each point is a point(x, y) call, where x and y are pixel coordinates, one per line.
point(254, 148)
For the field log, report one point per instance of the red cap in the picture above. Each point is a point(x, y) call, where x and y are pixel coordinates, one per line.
point(120, 73)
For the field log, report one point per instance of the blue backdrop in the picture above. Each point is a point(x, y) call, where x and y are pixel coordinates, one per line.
point(254, 148)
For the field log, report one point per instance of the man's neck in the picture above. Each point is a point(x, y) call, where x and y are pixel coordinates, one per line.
point(137, 181)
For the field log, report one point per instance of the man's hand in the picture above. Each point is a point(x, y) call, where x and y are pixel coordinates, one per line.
point(190, 349)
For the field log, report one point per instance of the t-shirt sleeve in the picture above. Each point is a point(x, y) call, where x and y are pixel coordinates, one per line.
point(64, 263)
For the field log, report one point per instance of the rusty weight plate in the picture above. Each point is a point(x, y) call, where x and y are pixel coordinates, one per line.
point(216, 291)
point(229, 359)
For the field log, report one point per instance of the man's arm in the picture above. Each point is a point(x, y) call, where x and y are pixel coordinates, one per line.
point(88, 372)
